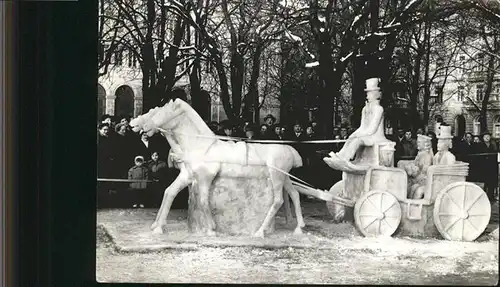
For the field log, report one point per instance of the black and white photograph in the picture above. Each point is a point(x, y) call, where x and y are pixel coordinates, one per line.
point(341, 142)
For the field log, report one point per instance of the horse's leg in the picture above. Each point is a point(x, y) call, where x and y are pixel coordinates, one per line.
point(294, 194)
point(162, 206)
point(288, 210)
point(204, 190)
point(182, 180)
point(277, 181)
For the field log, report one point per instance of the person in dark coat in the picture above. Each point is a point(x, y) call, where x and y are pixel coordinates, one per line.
point(159, 174)
point(264, 132)
point(227, 128)
point(398, 138)
point(466, 149)
point(344, 135)
point(125, 141)
point(489, 164)
point(214, 126)
point(310, 133)
point(250, 132)
point(105, 165)
point(147, 145)
point(105, 152)
point(466, 146)
point(408, 145)
point(269, 120)
point(297, 134)
point(276, 133)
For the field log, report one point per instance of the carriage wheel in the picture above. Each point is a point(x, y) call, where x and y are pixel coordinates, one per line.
point(461, 211)
point(377, 213)
point(336, 210)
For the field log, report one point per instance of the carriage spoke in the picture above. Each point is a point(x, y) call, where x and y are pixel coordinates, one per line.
point(450, 225)
point(447, 214)
point(379, 226)
point(373, 204)
point(474, 201)
point(386, 222)
point(381, 201)
point(367, 215)
point(463, 228)
point(393, 203)
point(371, 222)
point(451, 199)
point(465, 195)
point(478, 214)
point(472, 225)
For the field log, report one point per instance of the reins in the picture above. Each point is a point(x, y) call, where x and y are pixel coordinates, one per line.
point(216, 137)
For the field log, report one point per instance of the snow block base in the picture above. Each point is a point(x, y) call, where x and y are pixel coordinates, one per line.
point(238, 206)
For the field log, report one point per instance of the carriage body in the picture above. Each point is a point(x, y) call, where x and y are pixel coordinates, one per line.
point(451, 207)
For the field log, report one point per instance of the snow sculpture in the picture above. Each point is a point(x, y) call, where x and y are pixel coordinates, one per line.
point(235, 188)
point(417, 169)
point(444, 156)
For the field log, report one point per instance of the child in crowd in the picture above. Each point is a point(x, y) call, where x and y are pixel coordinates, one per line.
point(158, 172)
point(157, 167)
point(138, 172)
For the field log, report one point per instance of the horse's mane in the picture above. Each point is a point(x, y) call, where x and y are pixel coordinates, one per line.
point(195, 118)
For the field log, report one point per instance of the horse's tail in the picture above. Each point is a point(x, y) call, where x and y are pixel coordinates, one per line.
point(297, 159)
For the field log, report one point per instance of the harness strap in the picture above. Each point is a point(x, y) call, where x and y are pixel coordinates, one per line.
point(246, 157)
point(290, 175)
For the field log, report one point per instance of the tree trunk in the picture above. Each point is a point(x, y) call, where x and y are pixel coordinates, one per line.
point(490, 74)
point(237, 76)
point(326, 101)
point(427, 87)
point(253, 91)
point(170, 65)
point(149, 65)
point(358, 93)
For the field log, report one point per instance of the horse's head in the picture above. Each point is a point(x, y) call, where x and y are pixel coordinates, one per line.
point(169, 115)
point(143, 122)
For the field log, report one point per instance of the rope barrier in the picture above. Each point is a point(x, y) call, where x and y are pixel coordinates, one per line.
point(123, 180)
point(250, 140)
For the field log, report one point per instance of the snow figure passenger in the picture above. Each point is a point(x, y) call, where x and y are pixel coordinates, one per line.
point(444, 156)
point(417, 169)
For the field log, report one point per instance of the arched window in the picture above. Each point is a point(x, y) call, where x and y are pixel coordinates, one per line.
point(496, 127)
point(476, 126)
point(101, 101)
point(459, 126)
point(124, 102)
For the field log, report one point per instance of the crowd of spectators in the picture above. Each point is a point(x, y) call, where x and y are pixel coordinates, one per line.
point(124, 154)
point(135, 157)
point(479, 151)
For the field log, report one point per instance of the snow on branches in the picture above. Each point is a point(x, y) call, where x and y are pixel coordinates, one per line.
point(293, 37)
point(312, 65)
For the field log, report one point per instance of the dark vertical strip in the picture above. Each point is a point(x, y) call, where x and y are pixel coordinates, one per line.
point(72, 175)
point(26, 104)
point(10, 138)
point(6, 229)
point(45, 140)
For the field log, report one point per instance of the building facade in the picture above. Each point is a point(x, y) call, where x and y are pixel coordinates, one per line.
point(459, 101)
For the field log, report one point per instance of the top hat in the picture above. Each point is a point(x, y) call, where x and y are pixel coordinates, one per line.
point(372, 84)
point(424, 137)
point(444, 132)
